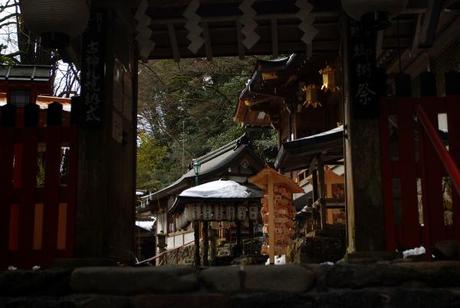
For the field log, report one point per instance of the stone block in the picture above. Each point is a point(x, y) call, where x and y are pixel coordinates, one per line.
point(273, 300)
point(51, 282)
point(278, 278)
point(365, 276)
point(182, 300)
point(132, 280)
point(225, 279)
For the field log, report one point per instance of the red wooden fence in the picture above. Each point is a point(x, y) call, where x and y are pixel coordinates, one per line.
point(421, 204)
point(38, 165)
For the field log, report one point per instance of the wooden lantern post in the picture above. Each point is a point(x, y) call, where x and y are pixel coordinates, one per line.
point(266, 180)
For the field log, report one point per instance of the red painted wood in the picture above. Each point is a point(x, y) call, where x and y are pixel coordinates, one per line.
point(18, 159)
point(27, 204)
point(390, 224)
point(434, 172)
point(431, 167)
point(443, 154)
point(72, 190)
point(453, 120)
point(6, 189)
point(410, 228)
point(51, 193)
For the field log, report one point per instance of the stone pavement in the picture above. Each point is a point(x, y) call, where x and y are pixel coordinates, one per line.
point(414, 284)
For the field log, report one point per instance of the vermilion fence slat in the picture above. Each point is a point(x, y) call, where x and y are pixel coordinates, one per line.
point(26, 194)
point(410, 231)
point(53, 145)
point(72, 190)
point(6, 173)
point(408, 169)
point(433, 179)
point(453, 120)
point(27, 215)
point(390, 230)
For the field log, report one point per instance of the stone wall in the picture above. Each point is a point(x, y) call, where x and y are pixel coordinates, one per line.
point(344, 285)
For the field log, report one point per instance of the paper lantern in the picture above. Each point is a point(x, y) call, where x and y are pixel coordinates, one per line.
point(329, 81)
point(357, 8)
point(68, 17)
point(311, 96)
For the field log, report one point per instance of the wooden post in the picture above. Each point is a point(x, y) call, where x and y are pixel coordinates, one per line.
point(251, 235)
point(322, 193)
point(238, 239)
point(196, 235)
point(213, 245)
point(316, 196)
point(365, 211)
point(205, 243)
point(106, 188)
point(271, 221)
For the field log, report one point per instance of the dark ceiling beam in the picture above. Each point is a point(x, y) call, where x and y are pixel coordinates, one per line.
point(414, 64)
point(430, 23)
point(417, 34)
point(173, 42)
point(274, 32)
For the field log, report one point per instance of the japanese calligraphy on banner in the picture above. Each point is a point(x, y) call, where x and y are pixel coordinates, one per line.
point(363, 79)
point(92, 72)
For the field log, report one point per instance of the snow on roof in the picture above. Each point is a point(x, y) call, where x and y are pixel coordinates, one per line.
point(221, 189)
point(328, 132)
point(339, 170)
point(146, 225)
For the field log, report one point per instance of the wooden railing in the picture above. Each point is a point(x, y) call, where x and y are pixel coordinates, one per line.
point(38, 177)
point(446, 159)
point(420, 170)
point(162, 257)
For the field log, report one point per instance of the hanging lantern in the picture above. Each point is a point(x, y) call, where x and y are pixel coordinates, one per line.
point(311, 96)
point(357, 8)
point(59, 19)
point(329, 82)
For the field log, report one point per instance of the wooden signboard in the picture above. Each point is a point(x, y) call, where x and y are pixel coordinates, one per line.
point(93, 72)
point(277, 210)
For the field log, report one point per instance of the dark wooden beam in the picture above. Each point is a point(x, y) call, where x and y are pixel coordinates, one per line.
point(196, 236)
point(430, 23)
point(418, 32)
point(207, 41)
point(274, 30)
point(173, 42)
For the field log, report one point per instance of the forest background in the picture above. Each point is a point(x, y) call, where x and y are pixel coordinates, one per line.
point(185, 110)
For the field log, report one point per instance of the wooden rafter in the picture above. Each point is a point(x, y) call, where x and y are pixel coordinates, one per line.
point(173, 42)
point(430, 23)
point(274, 30)
point(207, 41)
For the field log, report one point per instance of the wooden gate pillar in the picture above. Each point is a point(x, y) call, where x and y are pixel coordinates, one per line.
point(365, 211)
point(107, 139)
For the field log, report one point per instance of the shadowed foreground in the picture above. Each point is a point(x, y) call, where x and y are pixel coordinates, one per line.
point(345, 285)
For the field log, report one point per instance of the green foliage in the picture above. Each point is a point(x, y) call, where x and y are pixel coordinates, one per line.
point(3, 58)
point(188, 109)
point(149, 157)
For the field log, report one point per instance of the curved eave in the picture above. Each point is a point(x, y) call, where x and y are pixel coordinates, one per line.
point(298, 154)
